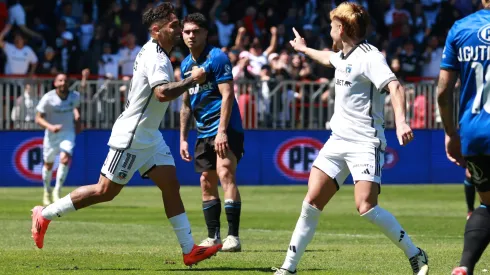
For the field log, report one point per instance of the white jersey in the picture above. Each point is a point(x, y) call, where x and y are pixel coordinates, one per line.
point(138, 126)
point(59, 111)
point(360, 79)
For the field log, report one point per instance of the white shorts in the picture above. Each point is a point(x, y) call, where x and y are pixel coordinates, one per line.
point(120, 165)
point(53, 145)
point(339, 158)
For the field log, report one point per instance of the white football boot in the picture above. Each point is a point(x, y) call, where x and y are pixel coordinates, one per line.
point(208, 242)
point(420, 263)
point(47, 198)
point(282, 271)
point(231, 244)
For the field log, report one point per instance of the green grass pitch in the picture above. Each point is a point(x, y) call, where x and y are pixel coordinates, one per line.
point(131, 234)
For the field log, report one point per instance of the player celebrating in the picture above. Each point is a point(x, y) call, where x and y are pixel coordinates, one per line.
point(136, 143)
point(357, 142)
point(220, 138)
point(57, 112)
point(467, 53)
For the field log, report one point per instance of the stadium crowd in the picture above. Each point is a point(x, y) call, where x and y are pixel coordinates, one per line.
point(51, 36)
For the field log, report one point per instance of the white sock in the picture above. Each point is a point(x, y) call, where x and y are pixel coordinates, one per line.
point(61, 174)
point(302, 235)
point(47, 177)
point(182, 229)
point(392, 229)
point(59, 208)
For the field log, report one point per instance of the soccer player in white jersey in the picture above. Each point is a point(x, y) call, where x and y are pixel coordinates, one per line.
point(136, 143)
point(57, 112)
point(357, 143)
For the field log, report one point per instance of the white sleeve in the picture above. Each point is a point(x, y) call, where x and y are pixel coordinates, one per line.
point(17, 16)
point(335, 58)
point(41, 106)
point(32, 56)
point(157, 70)
point(378, 71)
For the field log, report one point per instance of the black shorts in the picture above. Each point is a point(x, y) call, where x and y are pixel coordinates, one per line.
point(205, 155)
point(479, 167)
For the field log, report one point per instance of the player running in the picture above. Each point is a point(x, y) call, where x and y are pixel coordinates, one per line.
point(220, 137)
point(136, 143)
point(58, 112)
point(467, 54)
point(357, 142)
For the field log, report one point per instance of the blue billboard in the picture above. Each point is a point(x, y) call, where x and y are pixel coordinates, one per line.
point(272, 157)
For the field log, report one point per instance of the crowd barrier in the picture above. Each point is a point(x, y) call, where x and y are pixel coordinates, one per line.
point(288, 104)
point(272, 157)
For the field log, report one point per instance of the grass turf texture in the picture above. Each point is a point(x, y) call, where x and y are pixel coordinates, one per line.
point(131, 234)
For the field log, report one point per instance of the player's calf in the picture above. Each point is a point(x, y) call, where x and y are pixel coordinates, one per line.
point(61, 174)
point(476, 237)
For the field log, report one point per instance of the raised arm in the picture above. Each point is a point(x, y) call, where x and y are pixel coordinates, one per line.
point(299, 45)
point(273, 44)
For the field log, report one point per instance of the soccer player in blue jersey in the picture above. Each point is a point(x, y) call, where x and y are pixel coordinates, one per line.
point(467, 54)
point(220, 137)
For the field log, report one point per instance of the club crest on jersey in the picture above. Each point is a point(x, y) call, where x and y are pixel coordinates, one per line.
point(348, 69)
point(484, 34)
point(122, 175)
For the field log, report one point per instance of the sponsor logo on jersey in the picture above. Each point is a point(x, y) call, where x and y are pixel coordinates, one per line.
point(201, 87)
point(391, 158)
point(28, 160)
point(349, 68)
point(294, 157)
point(342, 82)
point(484, 34)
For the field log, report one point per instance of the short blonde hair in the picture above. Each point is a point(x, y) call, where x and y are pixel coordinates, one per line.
point(355, 19)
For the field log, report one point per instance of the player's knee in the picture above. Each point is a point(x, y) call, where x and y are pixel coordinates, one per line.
point(226, 177)
point(364, 206)
point(65, 159)
point(104, 192)
point(48, 166)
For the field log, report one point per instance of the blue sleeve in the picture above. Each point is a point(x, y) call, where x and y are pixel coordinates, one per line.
point(221, 67)
point(450, 53)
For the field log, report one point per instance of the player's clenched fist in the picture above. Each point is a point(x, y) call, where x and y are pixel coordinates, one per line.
point(404, 133)
point(198, 75)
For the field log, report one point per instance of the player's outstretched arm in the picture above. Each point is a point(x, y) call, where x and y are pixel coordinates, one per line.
point(397, 95)
point(445, 93)
point(185, 116)
point(170, 91)
point(299, 45)
point(41, 121)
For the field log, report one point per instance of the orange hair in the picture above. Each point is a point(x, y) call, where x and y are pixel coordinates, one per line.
point(355, 19)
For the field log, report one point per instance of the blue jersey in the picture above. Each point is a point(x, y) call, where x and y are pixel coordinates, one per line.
point(467, 50)
point(206, 98)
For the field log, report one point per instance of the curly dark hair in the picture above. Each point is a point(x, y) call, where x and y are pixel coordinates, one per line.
point(197, 18)
point(160, 13)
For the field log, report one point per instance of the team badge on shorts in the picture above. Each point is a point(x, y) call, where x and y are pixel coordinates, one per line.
point(122, 175)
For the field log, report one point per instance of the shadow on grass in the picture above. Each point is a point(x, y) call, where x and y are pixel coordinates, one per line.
point(283, 250)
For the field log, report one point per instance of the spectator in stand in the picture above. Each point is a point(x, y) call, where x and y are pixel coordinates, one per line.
point(258, 57)
point(67, 50)
point(71, 22)
point(224, 26)
point(86, 32)
point(49, 63)
point(128, 55)
point(109, 63)
point(420, 27)
point(96, 50)
point(21, 59)
point(17, 16)
point(410, 61)
point(396, 17)
point(432, 57)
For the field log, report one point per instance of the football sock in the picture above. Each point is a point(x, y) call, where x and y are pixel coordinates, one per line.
point(392, 229)
point(212, 213)
point(182, 229)
point(61, 174)
point(233, 209)
point(302, 235)
point(59, 208)
point(476, 237)
point(47, 176)
point(469, 192)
